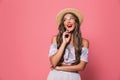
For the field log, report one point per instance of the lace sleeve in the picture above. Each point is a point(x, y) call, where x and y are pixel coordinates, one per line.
point(52, 50)
point(84, 55)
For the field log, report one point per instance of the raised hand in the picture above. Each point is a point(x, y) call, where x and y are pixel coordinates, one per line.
point(66, 37)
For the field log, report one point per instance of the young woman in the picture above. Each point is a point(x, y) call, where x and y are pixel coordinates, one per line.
point(69, 50)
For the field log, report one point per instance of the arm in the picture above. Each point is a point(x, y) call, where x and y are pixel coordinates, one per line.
point(79, 67)
point(57, 56)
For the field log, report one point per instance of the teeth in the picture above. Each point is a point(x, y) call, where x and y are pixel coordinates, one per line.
point(69, 25)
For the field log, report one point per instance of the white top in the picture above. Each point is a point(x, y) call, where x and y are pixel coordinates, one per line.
point(69, 56)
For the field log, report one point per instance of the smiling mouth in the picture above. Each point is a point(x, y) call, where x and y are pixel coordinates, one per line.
point(69, 25)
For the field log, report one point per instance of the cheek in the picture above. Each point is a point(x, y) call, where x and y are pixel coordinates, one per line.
point(65, 24)
point(74, 24)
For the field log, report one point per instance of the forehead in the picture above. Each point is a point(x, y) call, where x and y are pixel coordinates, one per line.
point(68, 15)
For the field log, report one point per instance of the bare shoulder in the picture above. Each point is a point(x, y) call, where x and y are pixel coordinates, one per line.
point(85, 42)
point(54, 39)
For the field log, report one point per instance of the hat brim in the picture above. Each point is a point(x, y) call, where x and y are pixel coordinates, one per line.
point(72, 10)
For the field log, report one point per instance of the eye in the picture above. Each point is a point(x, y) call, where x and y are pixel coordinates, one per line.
point(70, 18)
point(64, 19)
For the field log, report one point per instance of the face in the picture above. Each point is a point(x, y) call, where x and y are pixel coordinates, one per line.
point(69, 22)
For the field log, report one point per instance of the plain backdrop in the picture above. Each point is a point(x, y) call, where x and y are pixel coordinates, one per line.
point(27, 26)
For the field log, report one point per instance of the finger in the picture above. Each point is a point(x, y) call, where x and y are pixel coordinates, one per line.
point(65, 33)
point(67, 30)
point(69, 35)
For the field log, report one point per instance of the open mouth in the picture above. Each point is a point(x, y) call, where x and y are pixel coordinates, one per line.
point(69, 25)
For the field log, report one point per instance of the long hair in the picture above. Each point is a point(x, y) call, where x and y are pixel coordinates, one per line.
point(77, 38)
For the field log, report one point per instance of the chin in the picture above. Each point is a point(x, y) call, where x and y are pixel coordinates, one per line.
point(71, 30)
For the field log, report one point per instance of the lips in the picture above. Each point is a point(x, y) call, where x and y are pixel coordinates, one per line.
point(69, 25)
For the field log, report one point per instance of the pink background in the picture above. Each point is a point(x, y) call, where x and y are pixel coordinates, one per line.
point(26, 28)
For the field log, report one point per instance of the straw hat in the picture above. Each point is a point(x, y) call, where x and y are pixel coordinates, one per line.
point(72, 10)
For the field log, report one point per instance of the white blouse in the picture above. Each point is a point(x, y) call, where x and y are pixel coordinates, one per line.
point(69, 56)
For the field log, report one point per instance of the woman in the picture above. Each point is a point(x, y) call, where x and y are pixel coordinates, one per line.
point(69, 50)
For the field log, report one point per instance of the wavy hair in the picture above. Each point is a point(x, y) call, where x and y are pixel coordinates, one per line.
point(77, 38)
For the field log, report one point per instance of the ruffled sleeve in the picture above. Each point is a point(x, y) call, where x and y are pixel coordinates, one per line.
point(53, 49)
point(84, 55)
